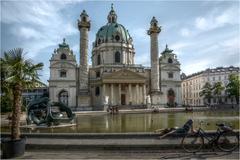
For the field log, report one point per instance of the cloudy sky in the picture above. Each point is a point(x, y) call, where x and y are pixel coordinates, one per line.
point(203, 34)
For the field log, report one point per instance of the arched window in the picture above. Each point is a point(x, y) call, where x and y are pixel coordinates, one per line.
point(97, 91)
point(84, 19)
point(63, 56)
point(170, 60)
point(63, 97)
point(117, 57)
point(98, 60)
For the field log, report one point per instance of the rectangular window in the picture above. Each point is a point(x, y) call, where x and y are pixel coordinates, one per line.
point(97, 91)
point(226, 99)
point(63, 74)
point(214, 100)
point(97, 74)
point(170, 75)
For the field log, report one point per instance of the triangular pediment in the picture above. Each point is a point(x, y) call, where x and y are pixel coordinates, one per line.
point(170, 67)
point(60, 64)
point(123, 76)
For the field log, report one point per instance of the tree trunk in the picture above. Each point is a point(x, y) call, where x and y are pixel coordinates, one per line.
point(17, 93)
point(237, 99)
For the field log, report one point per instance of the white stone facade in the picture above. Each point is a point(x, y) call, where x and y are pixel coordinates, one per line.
point(170, 78)
point(62, 82)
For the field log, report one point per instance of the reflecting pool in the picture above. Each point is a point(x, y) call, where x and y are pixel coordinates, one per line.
point(142, 122)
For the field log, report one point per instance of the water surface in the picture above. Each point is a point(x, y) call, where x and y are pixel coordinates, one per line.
point(143, 122)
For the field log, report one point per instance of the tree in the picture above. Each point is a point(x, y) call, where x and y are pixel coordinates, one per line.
point(6, 93)
point(20, 74)
point(217, 90)
point(206, 91)
point(233, 86)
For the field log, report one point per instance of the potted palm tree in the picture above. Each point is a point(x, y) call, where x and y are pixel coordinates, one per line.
point(19, 74)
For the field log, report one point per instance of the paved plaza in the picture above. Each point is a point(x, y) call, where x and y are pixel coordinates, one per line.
point(126, 154)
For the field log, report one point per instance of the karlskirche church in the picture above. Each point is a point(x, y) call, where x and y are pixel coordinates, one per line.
point(114, 78)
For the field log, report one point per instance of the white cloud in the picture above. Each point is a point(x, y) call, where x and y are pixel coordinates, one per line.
point(218, 19)
point(143, 59)
point(39, 24)
point(185, 32)
point(214, 19)
point(201, 23)
point(195, 66)
point(139, 34)
point(75, 48)
point(232, 42)
point(28, 33)
point(231, 46)
point(179, 45)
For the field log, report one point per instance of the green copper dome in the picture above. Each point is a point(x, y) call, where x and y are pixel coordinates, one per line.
point(112, 31)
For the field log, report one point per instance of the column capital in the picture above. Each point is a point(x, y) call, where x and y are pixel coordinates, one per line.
point(84, 21)
point(154, 28)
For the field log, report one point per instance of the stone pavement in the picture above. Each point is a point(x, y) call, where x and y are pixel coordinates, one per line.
point(51, 143)
point(113, 146)
point(126, 154)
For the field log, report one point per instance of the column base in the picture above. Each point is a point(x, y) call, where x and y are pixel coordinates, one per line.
point(156, 98)
point(84, 102)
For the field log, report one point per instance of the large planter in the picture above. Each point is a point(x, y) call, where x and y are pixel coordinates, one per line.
point(13, 148)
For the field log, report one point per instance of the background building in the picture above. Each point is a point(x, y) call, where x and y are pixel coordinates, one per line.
point(193, 84)
point(29, 95)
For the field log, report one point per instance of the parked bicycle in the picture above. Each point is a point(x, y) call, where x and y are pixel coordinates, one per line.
point(224, 138)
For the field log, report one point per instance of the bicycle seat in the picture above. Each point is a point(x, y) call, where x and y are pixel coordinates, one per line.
point(224, 127)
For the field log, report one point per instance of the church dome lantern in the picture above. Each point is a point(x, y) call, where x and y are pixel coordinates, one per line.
point(113, 43)
point(112, 16)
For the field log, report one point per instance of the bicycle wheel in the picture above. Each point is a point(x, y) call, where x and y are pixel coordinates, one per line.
point(192, 142)
point(228, 141)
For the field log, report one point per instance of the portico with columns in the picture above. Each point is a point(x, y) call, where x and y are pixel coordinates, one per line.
point(124, 88)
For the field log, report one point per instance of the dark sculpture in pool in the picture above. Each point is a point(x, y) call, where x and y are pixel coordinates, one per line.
point(44, 112)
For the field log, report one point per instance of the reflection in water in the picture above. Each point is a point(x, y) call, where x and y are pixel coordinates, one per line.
point(143, 122)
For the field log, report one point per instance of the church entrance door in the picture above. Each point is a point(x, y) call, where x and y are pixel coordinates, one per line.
point(171, 98)
point(123, 99)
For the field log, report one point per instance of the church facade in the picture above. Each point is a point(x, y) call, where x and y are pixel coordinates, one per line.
point(114, 78)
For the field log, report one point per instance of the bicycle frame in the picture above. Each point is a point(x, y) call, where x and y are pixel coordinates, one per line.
point(210, 139)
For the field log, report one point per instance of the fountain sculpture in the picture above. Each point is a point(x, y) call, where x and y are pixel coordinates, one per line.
point(44, 112)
